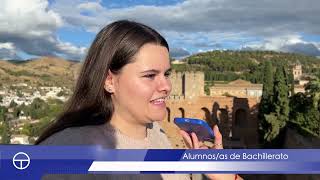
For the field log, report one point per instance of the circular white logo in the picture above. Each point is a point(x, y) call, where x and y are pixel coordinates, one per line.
point(21, 160)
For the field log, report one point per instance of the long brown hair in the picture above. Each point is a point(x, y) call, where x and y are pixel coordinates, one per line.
point(113, 48)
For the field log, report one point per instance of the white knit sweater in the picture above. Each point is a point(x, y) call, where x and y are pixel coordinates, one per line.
point(108, 137)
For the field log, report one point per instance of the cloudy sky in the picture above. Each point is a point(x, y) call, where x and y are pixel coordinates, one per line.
point(66, 28)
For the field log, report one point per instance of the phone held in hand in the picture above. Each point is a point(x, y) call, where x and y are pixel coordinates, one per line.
point(199, 127)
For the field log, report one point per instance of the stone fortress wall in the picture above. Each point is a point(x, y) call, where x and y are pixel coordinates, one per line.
point(236, 117)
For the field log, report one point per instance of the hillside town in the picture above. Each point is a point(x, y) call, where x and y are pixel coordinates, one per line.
point(22, 93)
point(19, 95)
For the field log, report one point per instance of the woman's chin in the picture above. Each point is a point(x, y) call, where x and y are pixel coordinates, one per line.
point(158, 117)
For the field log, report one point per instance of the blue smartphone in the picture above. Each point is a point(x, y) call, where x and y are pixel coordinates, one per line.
point(199, 127)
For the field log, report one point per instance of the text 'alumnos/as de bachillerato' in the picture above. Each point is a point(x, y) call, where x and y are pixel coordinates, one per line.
point(235, 156)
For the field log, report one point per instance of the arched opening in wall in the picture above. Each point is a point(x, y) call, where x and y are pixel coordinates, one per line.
point(215, 108)
point(183, 84)
point(206, 115)
point(223, 122)
point(222, 115)
point(168, 114)
point(181, 110)
point(240, 122)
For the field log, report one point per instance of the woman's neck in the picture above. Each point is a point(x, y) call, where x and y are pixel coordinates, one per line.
point(134, 130)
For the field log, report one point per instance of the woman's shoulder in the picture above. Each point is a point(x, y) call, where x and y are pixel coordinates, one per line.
point(158, 136)
point(84, 135)
point(155, 128)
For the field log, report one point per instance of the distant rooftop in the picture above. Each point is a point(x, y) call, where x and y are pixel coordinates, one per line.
point(239, 83)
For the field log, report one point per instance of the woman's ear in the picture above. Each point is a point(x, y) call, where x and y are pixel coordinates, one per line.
point(109, 82)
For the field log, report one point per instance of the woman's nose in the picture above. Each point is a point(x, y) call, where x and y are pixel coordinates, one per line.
point(164, 84)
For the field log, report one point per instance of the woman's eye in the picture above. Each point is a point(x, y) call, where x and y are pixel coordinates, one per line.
point(150, 76)
point(167, 74)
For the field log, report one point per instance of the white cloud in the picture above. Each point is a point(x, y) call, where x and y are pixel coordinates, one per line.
point(8, 51)
point(218, 21)
point(7, 45)
point(73, 52)
point(253, 17)
point(80, 14)
point(30, 26)
point(90, 6)
point(275, 43)
point(195, 22)
point(28, 18)
point(293, 43)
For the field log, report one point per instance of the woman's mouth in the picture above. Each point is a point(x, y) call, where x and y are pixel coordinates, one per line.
point(159, 102)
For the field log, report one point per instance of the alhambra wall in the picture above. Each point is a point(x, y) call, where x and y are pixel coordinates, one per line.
point(236, 117)
point(188, 84)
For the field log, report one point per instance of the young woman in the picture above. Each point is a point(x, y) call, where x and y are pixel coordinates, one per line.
point(120, 96)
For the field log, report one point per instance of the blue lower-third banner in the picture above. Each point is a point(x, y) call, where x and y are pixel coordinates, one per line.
point(23, 162)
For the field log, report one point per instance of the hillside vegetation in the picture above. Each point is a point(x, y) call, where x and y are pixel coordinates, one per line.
point(217, 65)
point(231, 65)
point(45, 71)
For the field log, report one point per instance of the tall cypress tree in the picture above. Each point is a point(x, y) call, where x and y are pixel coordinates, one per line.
point(265, 106)
point(277, 119)
point(281, 94)
point(267, 91)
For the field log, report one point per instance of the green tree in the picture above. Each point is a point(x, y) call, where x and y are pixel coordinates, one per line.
point(38, 108)
point(3, 110)
point(279, 116)
point(312, 120)
point(291, 82)
point(299, 118)
point(299, 103)
point(304, 108)
point(6, 133)
point(313, 90)
point(19, 93)
point(265, 106)
point(312, 116)
point(281, 94)
point(28, 129)
point(13, 104)
point(273, 128)
point(34, 130)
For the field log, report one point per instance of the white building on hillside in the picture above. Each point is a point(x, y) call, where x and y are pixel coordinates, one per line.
point(19, 139)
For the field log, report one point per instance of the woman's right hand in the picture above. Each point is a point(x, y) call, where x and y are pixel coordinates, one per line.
point(192, 142)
